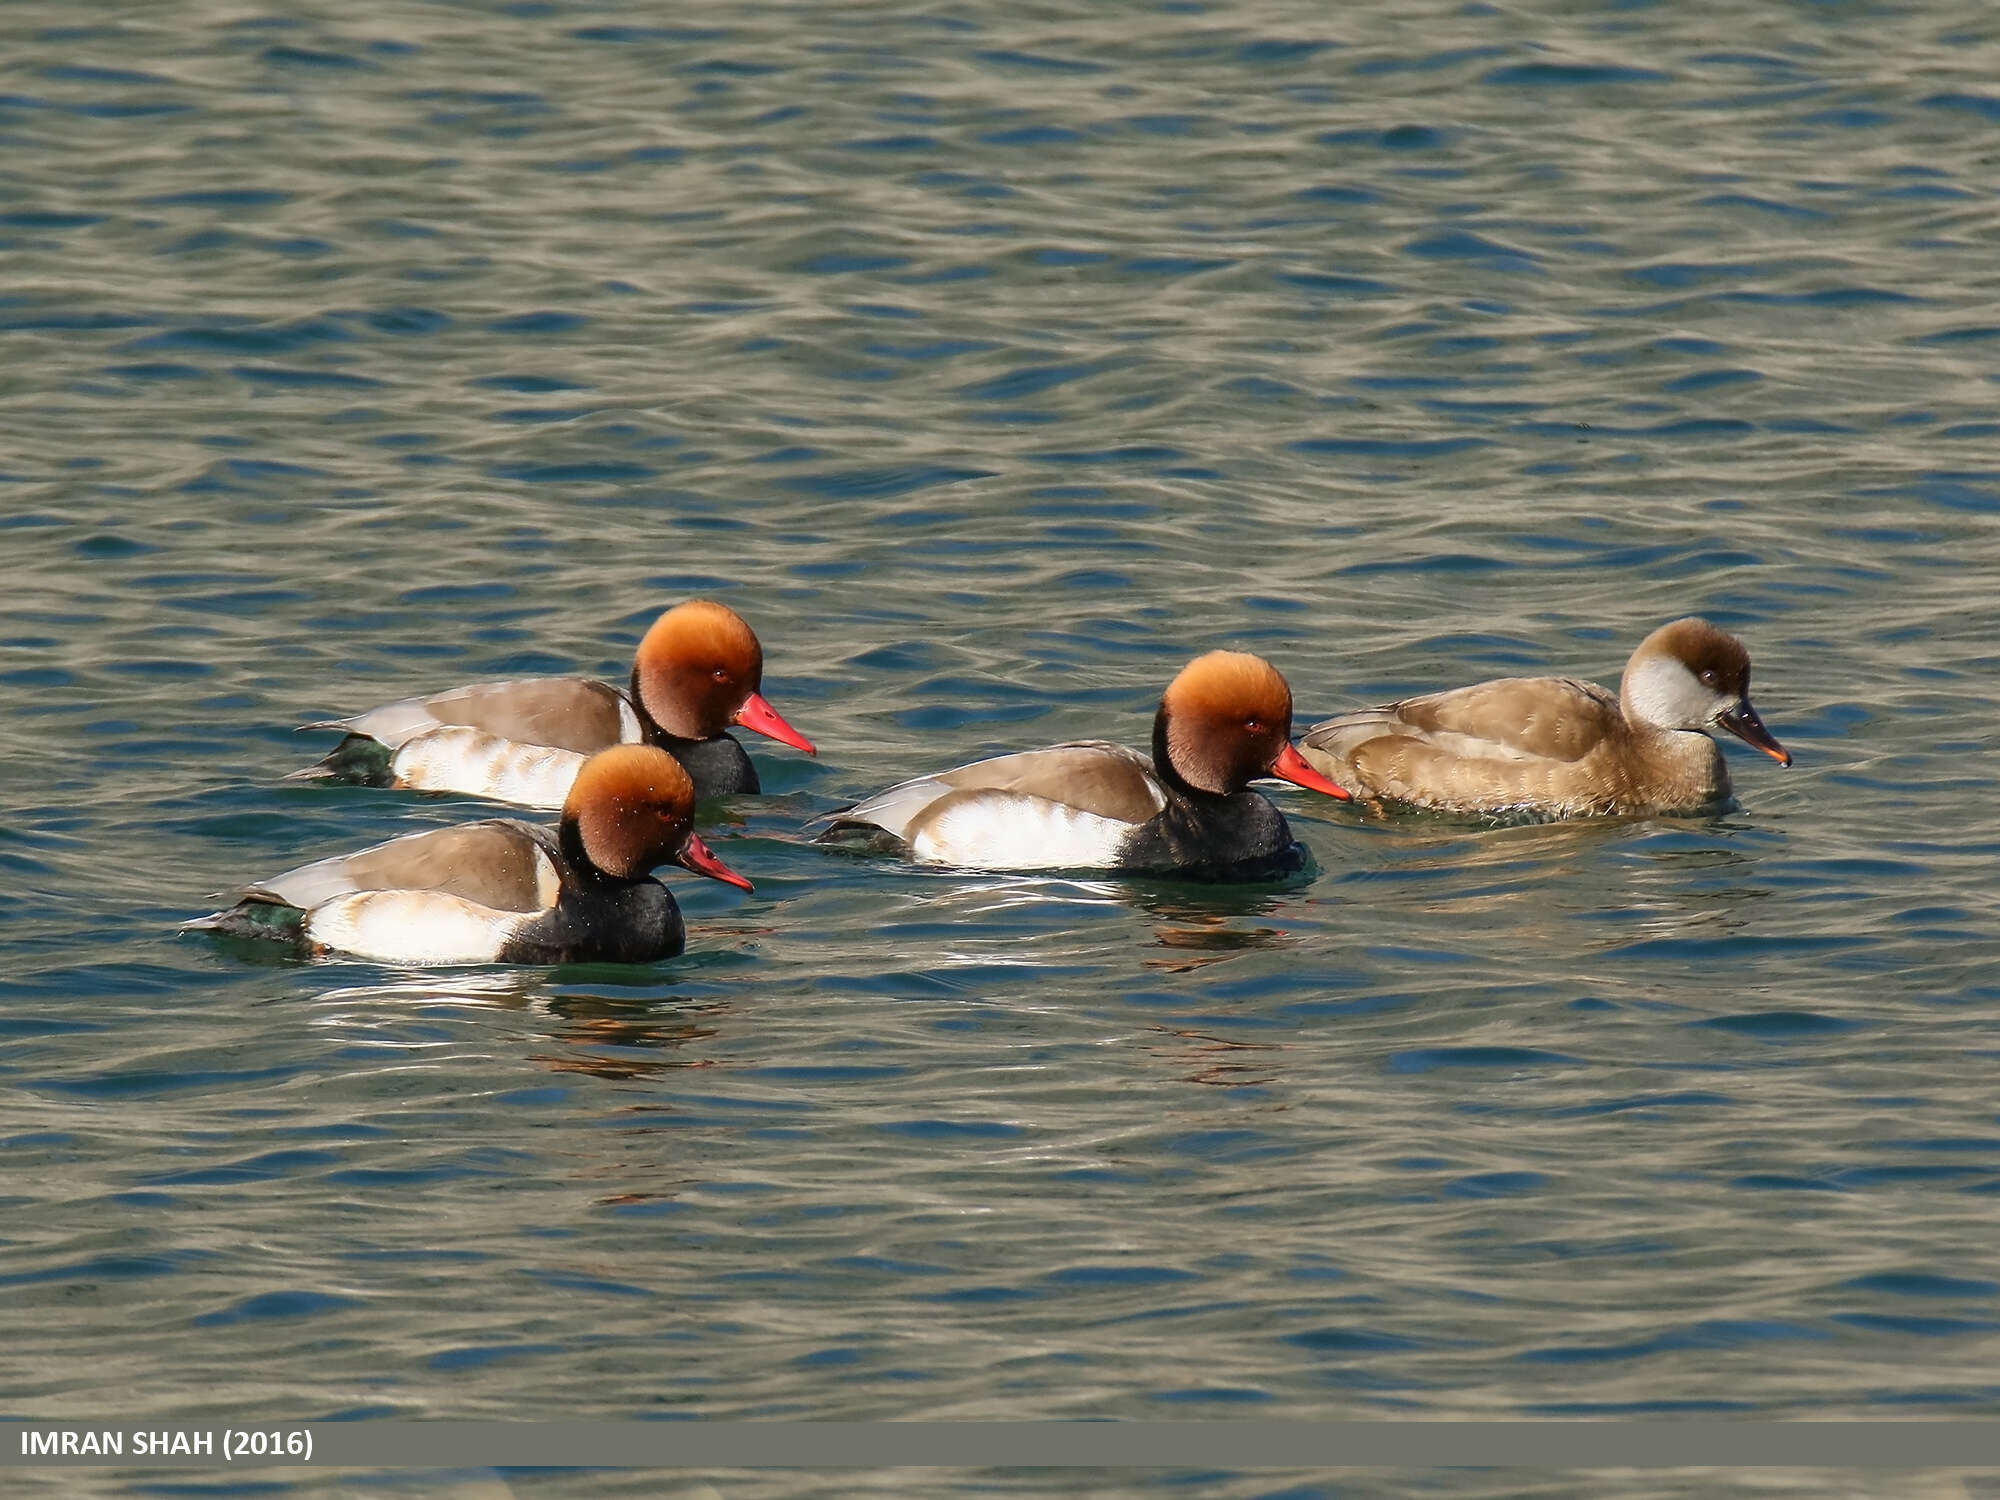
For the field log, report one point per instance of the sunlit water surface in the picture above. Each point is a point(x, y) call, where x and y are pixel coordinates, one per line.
point(994, 360)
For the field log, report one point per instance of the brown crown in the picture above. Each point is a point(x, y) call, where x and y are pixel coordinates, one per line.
point(1703, 649)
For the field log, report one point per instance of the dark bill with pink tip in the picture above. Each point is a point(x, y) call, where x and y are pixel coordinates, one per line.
point(1742, 721)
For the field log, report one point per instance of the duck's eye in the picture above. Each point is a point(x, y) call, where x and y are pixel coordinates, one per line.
point(1708, 675)
point(721, 674)
point(1255, 726)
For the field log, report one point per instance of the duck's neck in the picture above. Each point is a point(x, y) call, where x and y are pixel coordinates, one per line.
point(579, 869)
point(1683, 766)
point(1211, 834)
point(1163, 767)
point(649, 727)
point(656, 733)
point(718, 765)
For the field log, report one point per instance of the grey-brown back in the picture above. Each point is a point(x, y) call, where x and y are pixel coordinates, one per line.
point(1092, 776)
point(499, 863)
point(570, 713)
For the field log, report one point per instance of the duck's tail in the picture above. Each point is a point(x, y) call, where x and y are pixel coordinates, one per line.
point(269, 921)
point(358, 758)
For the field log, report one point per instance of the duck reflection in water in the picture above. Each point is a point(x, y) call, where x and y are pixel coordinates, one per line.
point(1200, 925)
point(621, 1040)
point(614, 1036)
point(1214, 1061)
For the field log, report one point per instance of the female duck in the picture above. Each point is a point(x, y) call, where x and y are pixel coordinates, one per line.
point(696, 672)
point(1558, 748)
point(1224, 721)
point(504, 891)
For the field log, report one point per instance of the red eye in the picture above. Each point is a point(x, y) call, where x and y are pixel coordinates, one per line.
point(1255, 726)
point(721, 675)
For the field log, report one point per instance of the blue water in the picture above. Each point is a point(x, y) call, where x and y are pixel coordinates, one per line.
point(993, 363)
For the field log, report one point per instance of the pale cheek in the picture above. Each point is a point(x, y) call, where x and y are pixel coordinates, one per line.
point(1673, 698)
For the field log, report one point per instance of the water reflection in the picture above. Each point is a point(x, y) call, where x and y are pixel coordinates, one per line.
point(1668, 874)
point(621, 1040)
point(481, 989)
point(633, 1032)
point(1692, 885)
point(1218, 1062)
point(1434, 841)
point(1210, 940)
point(988, 893)
point(1199, 921)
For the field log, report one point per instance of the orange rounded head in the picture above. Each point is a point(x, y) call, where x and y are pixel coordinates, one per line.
point(1226, 720)
point(699, 670)
point(632, 808)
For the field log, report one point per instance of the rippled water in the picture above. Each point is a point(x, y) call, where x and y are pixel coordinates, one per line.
point(994, 360)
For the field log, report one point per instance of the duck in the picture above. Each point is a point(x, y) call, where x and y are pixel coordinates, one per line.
point(1185, 811)
point(504, 891)
point(1554, 747)
point(697, 671)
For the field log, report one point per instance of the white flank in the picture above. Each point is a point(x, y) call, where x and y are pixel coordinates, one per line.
point(1008, 831)
point(459, 759)
point(412, 927)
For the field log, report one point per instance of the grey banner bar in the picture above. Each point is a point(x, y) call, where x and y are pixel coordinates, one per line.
point(982, 1445)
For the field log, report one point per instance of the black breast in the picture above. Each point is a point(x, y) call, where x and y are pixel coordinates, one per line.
point(597, 919)
point(1202, 837)
point(718, 766)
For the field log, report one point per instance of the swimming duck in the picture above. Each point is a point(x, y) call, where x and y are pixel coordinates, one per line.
point(505, 891)
point(1556, 747)
point(697, 671)
point(1225, 720)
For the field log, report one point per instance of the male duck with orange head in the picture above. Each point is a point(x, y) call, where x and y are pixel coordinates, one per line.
point(699, 670)
point(504, 891)
point(1186, 812)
